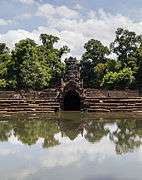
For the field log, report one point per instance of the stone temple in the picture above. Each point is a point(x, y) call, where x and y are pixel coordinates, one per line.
point(70, 96)
point(71, 87)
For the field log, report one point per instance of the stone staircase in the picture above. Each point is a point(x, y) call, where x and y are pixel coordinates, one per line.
point(48, 101)
point(93, 104)
point(22, 105)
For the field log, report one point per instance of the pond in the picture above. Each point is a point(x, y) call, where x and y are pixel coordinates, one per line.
point(71, 145)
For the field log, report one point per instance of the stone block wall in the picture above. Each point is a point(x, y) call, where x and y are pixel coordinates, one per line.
point(111, 93)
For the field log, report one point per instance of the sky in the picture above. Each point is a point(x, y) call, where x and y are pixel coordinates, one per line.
point(73, 21)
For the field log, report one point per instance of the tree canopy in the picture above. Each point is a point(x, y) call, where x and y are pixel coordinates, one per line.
point(34, 66)
point(123, 71)
point(30, 65)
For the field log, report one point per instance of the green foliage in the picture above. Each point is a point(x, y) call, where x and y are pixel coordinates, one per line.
point(92, 62)
point(39, 66)
point(52, 56)
point(122, 79)
point(95, 52)
point(5, 63)
point(125, 45)
point(29, 71)
point(125, 70)
point(30, 65)
point(3, 48)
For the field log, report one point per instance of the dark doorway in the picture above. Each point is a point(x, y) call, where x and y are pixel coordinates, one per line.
point(72, 101)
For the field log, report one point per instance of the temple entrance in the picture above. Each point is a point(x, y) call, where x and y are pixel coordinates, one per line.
point(72, 101)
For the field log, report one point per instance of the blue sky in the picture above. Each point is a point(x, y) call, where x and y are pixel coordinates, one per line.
point(74, 21)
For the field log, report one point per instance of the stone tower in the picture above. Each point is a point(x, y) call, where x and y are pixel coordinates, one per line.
point(72, 70)
point(72, 92)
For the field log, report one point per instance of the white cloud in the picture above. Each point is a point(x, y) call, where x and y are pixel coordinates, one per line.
point(75, 32)
point(23, 16)
point(13, 36)
point(26, 1)
point(4, 22)
point(78, 7)
point(51, 11)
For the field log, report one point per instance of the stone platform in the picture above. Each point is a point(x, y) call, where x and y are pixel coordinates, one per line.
point(50, 101)
point(70, 96)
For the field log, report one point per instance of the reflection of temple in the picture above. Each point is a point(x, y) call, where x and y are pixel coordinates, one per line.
point(71, 88)
point(126, 136)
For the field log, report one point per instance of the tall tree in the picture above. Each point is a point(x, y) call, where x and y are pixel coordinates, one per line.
point(95, 55)
point(5, 64)
point(29, 71)
point(52, 56)
point(125, 45)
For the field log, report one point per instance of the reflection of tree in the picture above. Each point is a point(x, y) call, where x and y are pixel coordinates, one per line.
point(50, 141)
point(128, 135)
point(5, 131)
point(70, 129)
point(95, 131)
point(28, 132)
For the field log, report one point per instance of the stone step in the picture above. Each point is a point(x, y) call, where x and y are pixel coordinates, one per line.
point(112, 104)
point(114, 101)
point(31, 100)
point(25, 110)
point(14, 112)
point(112, 110)
point(115, 107)
point(93, 97)
point(109, 107)
point(98, 110)
point(46, 104)
point(29, 107)
point(15, 103)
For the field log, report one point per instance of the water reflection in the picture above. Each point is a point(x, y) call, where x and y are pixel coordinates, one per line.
point(124, 133)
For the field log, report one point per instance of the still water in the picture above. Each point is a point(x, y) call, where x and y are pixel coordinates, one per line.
point(71, 146)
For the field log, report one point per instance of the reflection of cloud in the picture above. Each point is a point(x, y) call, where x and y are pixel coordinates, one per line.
point(25, 173)
point(40, 141)
point(21, 174)
point(69, 152)
point(111, 127)
point(14, 140)
point(6, 151)
point(140, 154)
point(70, 157)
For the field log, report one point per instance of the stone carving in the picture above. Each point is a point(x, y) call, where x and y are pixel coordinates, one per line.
point(72, 72)
point(71, 81)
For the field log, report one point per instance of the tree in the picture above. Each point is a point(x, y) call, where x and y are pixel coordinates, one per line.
point(30, 72)
point(3, 48)
point(95, 53)
point(5, 64)
point(138, 69)
point(125, 45)
point(52, 56)
point(119, 80)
